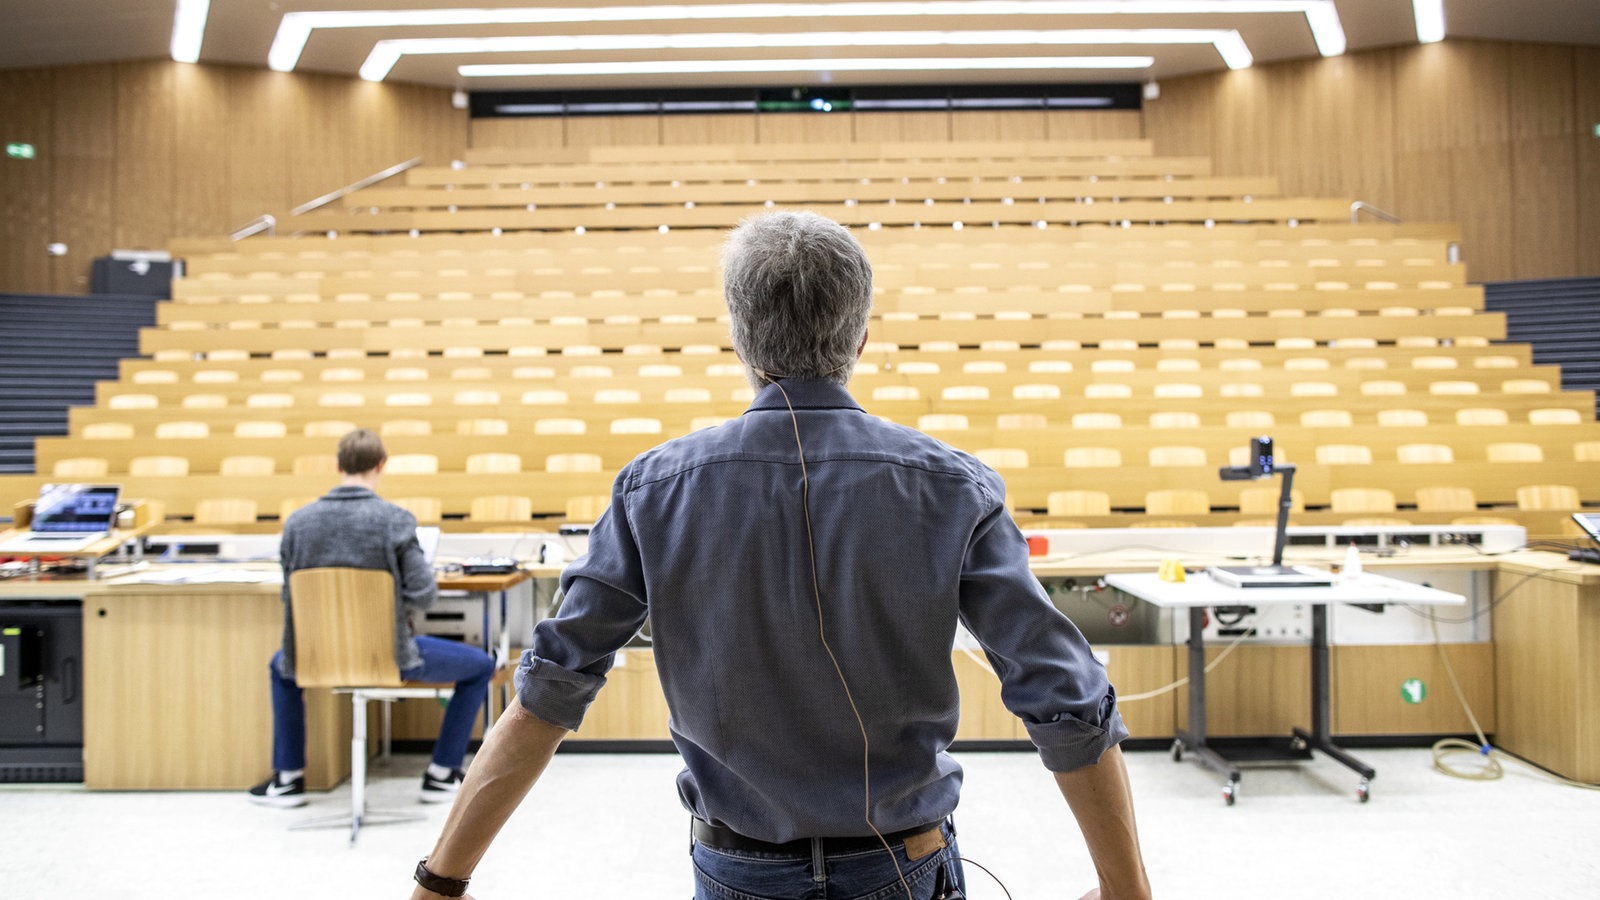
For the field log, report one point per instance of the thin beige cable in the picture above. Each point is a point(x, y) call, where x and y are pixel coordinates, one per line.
point(822, 634)
point(1129, 698)
point(1490, 769)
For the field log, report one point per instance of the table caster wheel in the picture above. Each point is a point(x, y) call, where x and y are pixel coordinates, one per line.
point(1177, 751)
point(1229, 792)
point(1364, 791)
point(1298, 744)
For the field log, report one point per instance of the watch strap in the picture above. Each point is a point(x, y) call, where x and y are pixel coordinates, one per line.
point(446, 887)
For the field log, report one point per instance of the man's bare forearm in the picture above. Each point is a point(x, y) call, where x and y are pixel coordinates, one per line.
point(1102, 802)
point(514, 755)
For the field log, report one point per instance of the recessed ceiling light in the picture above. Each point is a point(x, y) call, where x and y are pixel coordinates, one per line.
point(188, 29)
point(1430, 20)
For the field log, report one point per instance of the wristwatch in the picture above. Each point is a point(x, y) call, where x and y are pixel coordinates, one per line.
point(446, 887)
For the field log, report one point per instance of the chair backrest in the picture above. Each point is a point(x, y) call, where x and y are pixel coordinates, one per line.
point(343, 627)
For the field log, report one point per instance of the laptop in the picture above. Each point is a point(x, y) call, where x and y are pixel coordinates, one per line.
point(428, 538)
point(68, 517)
point(1590, 523)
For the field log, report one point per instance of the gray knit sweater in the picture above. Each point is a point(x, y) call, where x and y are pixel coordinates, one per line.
point(351, 527)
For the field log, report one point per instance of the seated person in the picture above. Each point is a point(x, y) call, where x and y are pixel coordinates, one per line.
point(352, 527)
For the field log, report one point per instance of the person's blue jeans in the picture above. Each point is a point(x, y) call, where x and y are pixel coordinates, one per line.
point(863, 875)
point(442, 660)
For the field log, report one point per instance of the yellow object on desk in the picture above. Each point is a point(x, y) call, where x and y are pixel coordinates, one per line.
point(1171, 570)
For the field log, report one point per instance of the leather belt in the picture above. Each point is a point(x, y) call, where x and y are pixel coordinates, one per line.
point(722, 838)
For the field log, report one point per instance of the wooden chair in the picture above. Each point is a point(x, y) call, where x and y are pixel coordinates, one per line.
point(493, 463)
point(158, 466)
point(573, 462)
point(500, 508)
point(1548, 496)
point(587, 507)
point(1020, 421)
point(1474, 415)
point(108, 431)
point(287, 508)
point(225, 511)
point(334, 428)
point(344, 623)
point(413, 464)
point(1446, 498)
point(1402, 418)
point(559, 426)
point(942, 422)
point(1177, 456)
point(999, 458)
point(1425, 453)
point(81, 467)
point(261, 428)
point(1554, 417)
point(480, 427)
point(1344, 455)
point(182, 430)
point(1078, 503)
point(248, 466)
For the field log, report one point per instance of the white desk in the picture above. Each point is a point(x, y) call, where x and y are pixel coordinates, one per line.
point(1199, 593)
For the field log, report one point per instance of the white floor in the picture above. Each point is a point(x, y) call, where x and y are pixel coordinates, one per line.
point(609, 826)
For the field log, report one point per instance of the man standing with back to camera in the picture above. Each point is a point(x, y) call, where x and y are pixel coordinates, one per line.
point(804, 569)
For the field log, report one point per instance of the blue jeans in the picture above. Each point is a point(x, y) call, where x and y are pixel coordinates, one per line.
point(442, 660)
point(862, 875)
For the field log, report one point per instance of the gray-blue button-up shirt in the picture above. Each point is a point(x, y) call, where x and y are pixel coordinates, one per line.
point(706, 536)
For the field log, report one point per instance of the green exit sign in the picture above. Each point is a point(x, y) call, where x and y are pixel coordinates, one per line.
point(25, 151)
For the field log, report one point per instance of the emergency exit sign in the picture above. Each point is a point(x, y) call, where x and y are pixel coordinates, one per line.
point(19, 151)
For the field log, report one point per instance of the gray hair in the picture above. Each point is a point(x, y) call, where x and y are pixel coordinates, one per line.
point(799, 291)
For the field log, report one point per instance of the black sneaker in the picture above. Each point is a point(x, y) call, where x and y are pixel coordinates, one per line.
point(282, 794)
point(441, 790)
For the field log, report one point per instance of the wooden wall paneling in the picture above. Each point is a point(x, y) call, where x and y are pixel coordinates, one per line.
point(1258, 691)
point(29, 220)
point(551, 132)
point(612, 131)
point(319, 110)
point(1181, 121)
point(1333, 125)
point(902, 126)
point(708, 129)
point(799, 128)
point(1077, 125)
point(1008, 125)
point(260, 104)
point(1137, 669)
point(202, 182)
point(1245, 140)
point(144, 164)
point(430, 127)
point(1586, 103)
point(1544, 208)
point(373, 129)
point(1367, 698)
point(84, 134)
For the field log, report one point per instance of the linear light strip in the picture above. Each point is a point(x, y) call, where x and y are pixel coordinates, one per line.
point(189, 29)
point(723, 66)
point(386, 54)
point(296, 28)
point(1430, 20)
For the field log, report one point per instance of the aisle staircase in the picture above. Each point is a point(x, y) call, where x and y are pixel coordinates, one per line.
point(55, 349)
point(1557, 317)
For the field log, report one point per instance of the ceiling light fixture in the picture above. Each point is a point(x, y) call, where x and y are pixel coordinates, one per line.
point(296, 28)
point(386, 54)
point(723, 66)
point(188, 29)
point(1430, 20)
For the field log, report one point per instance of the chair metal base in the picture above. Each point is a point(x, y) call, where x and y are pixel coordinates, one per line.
point(359, 815)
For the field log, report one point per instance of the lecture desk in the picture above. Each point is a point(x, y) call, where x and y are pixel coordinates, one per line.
point(175, 693)
point(1200, 592)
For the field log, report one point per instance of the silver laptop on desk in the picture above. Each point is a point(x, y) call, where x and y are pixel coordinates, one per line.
point(68, 517)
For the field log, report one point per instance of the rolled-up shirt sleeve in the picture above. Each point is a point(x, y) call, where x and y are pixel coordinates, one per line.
point(1049, 677)
point(603, 606)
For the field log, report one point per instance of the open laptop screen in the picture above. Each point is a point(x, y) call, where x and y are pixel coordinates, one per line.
point(1590, 523)
point(75, 508)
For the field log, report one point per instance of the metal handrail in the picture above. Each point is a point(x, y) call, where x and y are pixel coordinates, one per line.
point(354, 186)
point(265, 222)
point(1359, 206)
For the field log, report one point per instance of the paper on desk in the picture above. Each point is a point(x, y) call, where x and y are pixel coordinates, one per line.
point(201, 575)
